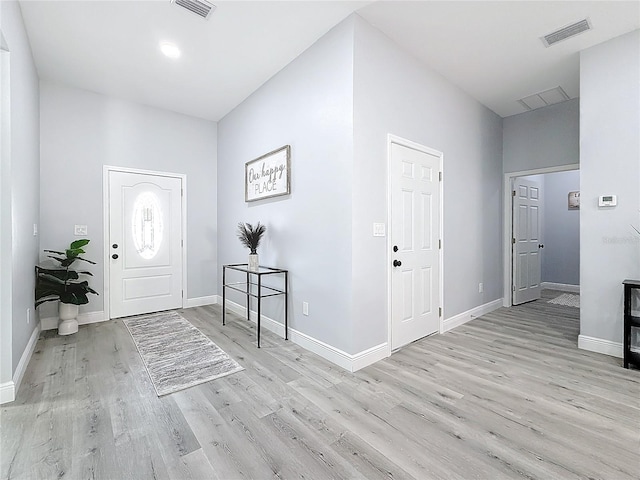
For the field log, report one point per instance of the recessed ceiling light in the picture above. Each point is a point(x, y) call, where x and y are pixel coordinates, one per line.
point(170, 50)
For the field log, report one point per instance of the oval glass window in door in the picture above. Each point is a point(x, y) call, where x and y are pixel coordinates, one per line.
point(147, 224)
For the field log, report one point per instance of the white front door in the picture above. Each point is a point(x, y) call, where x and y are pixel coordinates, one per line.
point(527, 207)
point(145, 243)
point(415, 255)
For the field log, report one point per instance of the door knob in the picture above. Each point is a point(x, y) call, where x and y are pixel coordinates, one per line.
point(397, 263)
point(114, 256)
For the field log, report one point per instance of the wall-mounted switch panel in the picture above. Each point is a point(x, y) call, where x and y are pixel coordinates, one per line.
point(379, 230)
point(305, 308)
point(80, 230)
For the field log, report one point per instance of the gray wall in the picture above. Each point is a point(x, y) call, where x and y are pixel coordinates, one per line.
point(546, 137)
point(82, 131)
point(308, 105)
point(394, 93)
point(561, 229)
point(335, 104)
point(25, 185)
point(610, 164)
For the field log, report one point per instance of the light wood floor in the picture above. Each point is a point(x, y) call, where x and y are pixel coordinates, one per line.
point(507, 395)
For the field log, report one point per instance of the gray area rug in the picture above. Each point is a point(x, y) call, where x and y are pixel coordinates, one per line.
point(176, 354)
point(567, 299)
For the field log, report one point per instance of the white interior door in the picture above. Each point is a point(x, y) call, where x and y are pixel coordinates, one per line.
point(145, 246)
point(415, 231)
point(527, 208)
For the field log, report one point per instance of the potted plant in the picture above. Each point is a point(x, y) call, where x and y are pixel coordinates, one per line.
point(63, 284)
point(250, 237)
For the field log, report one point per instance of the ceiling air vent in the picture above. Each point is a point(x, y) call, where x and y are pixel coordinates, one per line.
point(542, 99)
point(201, 8)
point(566, 32)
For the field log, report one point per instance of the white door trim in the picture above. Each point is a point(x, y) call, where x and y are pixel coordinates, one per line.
point(421, 148)
point(106, 170)
point(507, 298)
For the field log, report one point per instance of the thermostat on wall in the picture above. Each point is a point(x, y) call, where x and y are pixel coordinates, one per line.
point(607, 201)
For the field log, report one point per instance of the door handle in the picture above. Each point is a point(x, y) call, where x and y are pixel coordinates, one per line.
point(114, 256)
point(397, 263)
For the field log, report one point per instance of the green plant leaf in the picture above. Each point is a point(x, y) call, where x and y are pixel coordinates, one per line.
point(52, 299)
point(78, 244)
point(74, 298)
point(85, 260)
point(55, 251)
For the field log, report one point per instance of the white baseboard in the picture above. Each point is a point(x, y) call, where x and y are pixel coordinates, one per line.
point(51, 323)
point(563, 287)
point(599, 345)
point(8, 390)
point(464, 317)
point(348, 361)
point(25, 358)
point(200, 301)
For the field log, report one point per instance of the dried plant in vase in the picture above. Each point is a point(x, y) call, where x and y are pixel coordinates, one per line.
point(250, 237)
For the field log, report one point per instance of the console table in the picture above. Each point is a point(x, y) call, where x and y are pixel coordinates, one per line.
point(630, 321)
point(253, 286)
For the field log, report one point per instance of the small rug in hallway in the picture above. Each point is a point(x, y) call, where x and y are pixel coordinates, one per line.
point(567, 299)
point(176, 354)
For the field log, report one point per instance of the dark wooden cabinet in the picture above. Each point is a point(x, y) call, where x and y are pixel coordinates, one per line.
point(630, 322)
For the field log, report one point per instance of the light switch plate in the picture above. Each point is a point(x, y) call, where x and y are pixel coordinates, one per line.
point(80, 230)
point(379, 230)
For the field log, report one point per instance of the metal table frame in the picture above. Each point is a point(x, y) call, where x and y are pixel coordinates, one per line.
point(261, 291)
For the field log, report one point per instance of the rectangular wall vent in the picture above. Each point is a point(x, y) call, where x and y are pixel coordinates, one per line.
point(201, 8)
point(542, 99)
point(567, 32)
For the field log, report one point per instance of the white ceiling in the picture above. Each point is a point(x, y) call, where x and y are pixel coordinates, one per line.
point(492, 50)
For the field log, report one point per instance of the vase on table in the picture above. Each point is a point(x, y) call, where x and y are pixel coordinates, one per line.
point(253, 262)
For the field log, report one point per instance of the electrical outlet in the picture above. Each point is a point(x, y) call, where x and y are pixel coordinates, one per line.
point(28, 316)
point(305, 308)
point(480, 287)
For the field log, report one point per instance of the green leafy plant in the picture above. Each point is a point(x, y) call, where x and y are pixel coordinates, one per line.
point(249, 236)
point(62, 283)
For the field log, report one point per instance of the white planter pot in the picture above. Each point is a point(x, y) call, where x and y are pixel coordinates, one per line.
point(253, 262)
point(68, 314)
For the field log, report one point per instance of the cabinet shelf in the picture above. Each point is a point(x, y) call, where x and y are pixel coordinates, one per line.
point(630, 321)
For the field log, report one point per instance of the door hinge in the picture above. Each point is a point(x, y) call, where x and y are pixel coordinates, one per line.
point(513, 193)
point(182, 294)
point(514, 288)
point(440, 176)
point(439, 244)
point(513, 240)
point(182, 243)
point(181, 192)
point(439, 311)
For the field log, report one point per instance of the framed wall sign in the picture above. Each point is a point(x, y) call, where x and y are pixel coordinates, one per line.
point(268, 176)
point(574, 200)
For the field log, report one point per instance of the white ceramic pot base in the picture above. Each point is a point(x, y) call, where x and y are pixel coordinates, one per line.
point(68, 327)
point(68, 314)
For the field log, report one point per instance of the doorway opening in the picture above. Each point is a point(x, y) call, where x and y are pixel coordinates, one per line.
point(541, 233)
